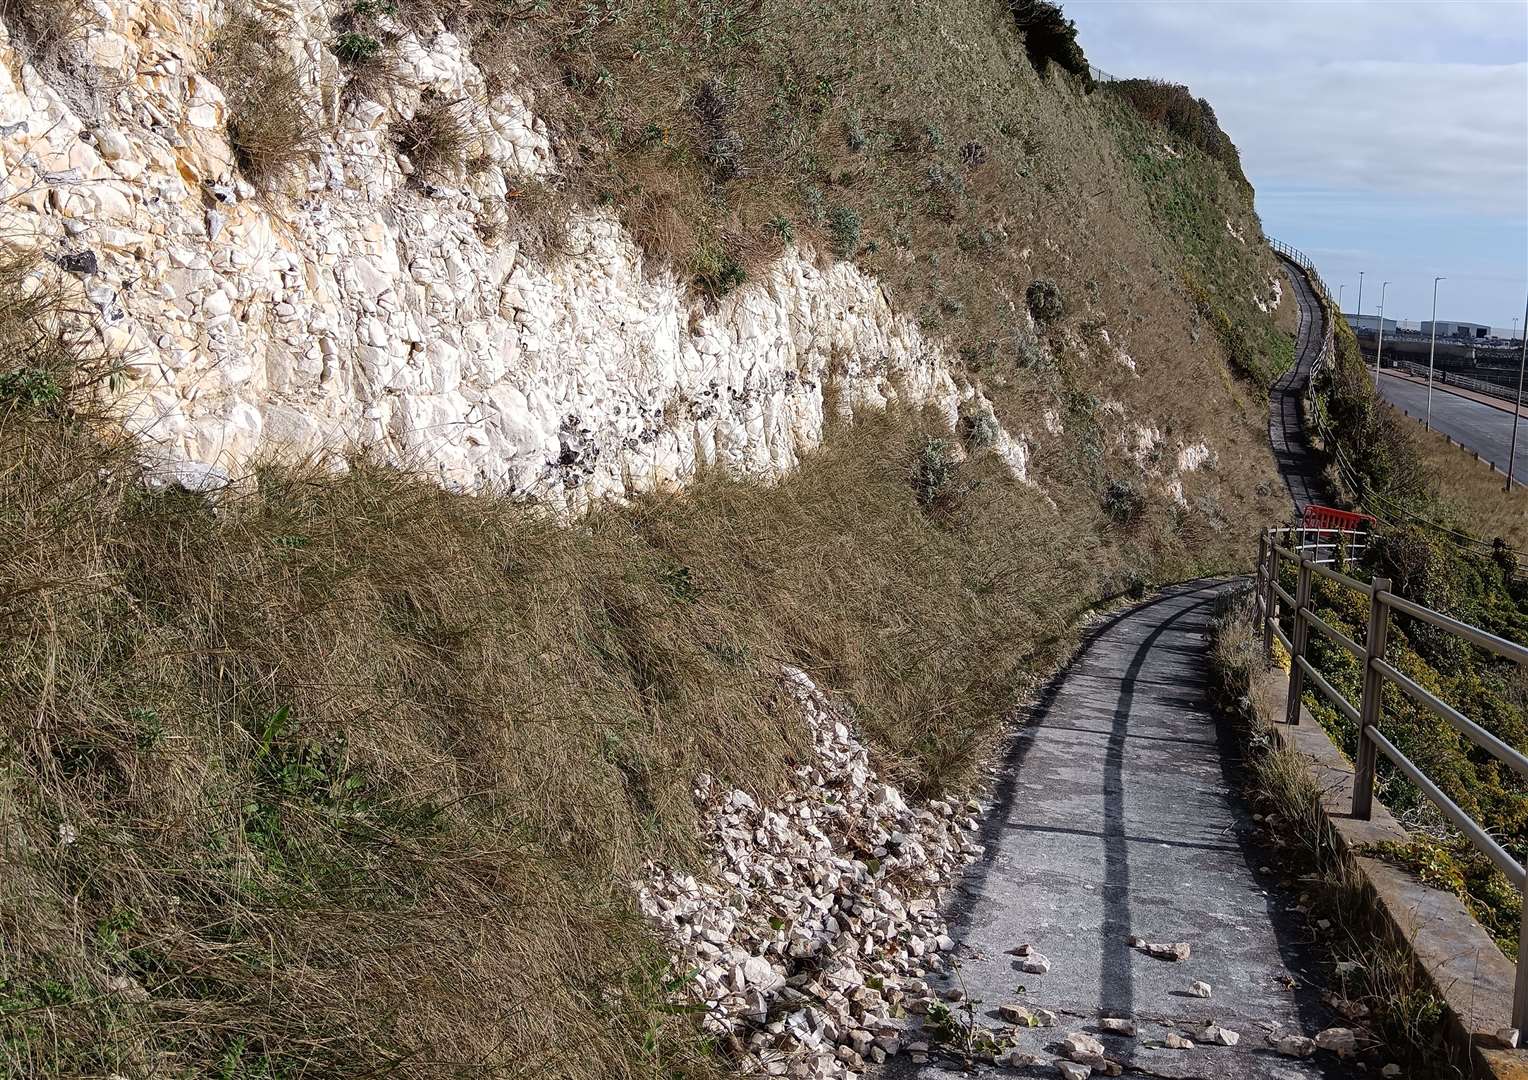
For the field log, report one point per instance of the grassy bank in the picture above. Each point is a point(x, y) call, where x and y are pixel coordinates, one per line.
point(290, 773)
point(289, 776)
point(1471, 495)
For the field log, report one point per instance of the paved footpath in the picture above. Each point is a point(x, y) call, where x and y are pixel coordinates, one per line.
point(1297, 461)
point(1118, 815)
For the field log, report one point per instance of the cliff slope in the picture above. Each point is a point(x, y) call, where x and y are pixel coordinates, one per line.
point(485, 481)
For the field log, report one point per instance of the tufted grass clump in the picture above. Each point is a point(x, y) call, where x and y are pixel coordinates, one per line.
point(718, 272)
point(46, 30)
point(275, 125)
point(980, 430)
point(47, 350)
point(844, 228)
point(438, 139)
point(1123, 501)
point(356, 48)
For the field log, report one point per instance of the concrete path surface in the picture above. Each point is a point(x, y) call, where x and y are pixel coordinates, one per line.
point(1119, 815)
point(1297, 461)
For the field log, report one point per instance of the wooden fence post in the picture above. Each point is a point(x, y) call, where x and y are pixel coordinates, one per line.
point(1299, 640)
point(1369, 709)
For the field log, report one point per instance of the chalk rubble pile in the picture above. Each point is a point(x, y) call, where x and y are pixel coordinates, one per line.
point(821, 912)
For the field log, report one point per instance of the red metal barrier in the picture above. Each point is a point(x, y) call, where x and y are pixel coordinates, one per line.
point(1328, 517)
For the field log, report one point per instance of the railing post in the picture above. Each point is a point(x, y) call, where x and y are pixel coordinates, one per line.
point(1369, 710)
point(1299, 639)
point(1520, 997)
point(1271, 598)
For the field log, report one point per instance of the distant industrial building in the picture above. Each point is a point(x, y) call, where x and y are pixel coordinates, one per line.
point(1370, 323)
point(1458, 329)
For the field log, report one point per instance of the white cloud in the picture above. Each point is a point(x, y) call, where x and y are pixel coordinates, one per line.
point(1402, 98)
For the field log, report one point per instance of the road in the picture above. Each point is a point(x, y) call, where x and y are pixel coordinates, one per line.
point(1481, 427)
point(1120, 815)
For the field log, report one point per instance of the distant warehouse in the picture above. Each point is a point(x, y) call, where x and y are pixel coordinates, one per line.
point(1368, 324)
point(1458, 329)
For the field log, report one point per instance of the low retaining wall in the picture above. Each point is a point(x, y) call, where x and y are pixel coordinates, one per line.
point(1467, 970)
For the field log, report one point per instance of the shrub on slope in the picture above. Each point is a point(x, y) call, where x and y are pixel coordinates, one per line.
point(1188, 118)
point(1422, 545)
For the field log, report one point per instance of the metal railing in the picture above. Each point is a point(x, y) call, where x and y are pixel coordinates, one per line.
point(1377, 669)
point(1464, 382)
point(1348, 474)
point(1328, 351)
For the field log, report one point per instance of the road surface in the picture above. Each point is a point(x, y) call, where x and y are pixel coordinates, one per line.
point(1119, 816)
point(1476, 425)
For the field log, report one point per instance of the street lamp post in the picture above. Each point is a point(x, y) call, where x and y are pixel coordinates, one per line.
point(1340, 288)
point(1379, 348)
point(1517, 407)
point(1432, 346)
point(1359, 311)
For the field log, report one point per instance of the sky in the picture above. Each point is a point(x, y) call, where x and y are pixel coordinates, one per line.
point(1384, 136)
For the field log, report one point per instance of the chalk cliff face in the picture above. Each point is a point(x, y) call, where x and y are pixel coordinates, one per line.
point(367, 307)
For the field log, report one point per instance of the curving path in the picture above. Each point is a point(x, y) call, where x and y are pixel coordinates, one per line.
point(1298, 463)
point(1118, 815)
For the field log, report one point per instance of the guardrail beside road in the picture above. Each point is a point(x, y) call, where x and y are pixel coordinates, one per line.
point(1464, 382)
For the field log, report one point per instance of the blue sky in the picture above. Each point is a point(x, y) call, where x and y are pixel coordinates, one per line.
point(1389, 136)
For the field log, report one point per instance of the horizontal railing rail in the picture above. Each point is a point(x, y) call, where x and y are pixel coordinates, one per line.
point(1275, 603)
point(1324, 359)
point(1329, 546)
point(1464, 382)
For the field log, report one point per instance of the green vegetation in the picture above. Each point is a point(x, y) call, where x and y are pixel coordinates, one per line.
point(1470, 495)
point(1198, 204)
point(1050, 37)
point(1491, 692)
point(1186, 117)
point(1422, 545)
point(1044, 300)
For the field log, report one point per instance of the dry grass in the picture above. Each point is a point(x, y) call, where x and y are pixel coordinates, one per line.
point(275, 124)
point(45, 30)
point(921, 135)
point(287, 782)
point(438, 140)
point(1470, 492)
point(289, 778)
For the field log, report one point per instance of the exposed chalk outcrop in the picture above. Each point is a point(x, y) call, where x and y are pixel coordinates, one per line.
point(375, 309)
